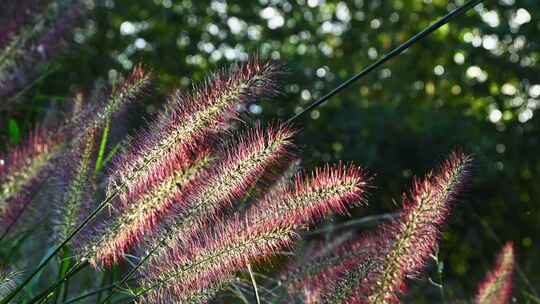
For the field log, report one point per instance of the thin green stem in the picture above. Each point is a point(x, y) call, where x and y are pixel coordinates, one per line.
point(95, 292)
point(102, 146)
point(111, 154)
point(134, 269)
point(76, 268)
point(90, 217)
point(254, 283)
point(62, 270)
point(65, 290)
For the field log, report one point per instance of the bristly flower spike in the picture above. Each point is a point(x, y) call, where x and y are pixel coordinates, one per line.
point(180, 272)
point(403, 246)
point(199, 198)
point(22, 171)
point(93, 116)
point(129, 224)
point(187, 120)
point(241, 164)
point(314, 276)
point(496, 288)
point(76, 185)
point(328, 189)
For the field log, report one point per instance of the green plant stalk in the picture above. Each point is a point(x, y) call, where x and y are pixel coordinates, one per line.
point(90, 217)
point(65, 288)
point(94, 292)
point(47, 292)
point(62, 271)
point(134, 269)
point(111, 154)
point(102, 146)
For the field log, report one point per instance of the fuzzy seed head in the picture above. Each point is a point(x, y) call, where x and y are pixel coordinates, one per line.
point(330, 271)
point(328, 189)
point(213, 261)
point(189, 267)
point(96, 115)
point(22, 171)
point(77, 186)
point(130, 223)
point(496, 288)
point(189, 119)
point(404, 245)
point(239, 167)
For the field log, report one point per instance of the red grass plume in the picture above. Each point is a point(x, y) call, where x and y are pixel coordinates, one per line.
point(188, 196)
point(312, 276)
point(189, 119)
point(496, 288)
point(180, 274)
point(22, 171)
point(127, 225)
point(400, 248)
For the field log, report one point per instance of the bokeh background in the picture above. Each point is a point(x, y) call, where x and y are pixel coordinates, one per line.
point(474, 84)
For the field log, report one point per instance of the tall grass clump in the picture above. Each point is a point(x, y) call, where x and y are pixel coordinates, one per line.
point(193, 203)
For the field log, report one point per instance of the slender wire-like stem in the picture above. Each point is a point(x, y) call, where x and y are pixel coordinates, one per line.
point(95, 292)
point(254, 283)
point(78, 267)
point(134, 269)
point(90, 217)
point(393, 53)
point(63, 269)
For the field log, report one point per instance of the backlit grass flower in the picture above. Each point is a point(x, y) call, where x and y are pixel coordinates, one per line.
point(127, 225)
point(189, 119)
point(496, 288)
point(22, 171)
point(241, 164)
point(76, 185)
point(400, 248)
point(190, 268)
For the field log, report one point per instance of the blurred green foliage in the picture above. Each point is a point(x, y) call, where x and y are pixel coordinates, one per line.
point(474, 84)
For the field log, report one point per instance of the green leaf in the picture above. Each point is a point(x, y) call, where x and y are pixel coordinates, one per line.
point(14, 131)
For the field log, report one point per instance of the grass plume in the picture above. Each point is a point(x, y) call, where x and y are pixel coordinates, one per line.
point(496, 288)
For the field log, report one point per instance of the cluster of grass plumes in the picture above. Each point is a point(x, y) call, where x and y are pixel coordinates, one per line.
point(195, 201)
point(62, 153)
point(195, 198)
